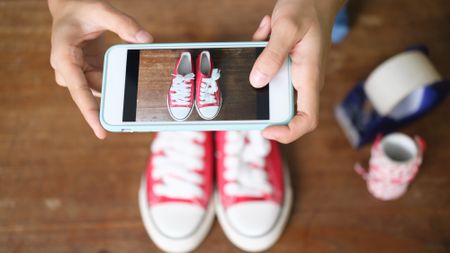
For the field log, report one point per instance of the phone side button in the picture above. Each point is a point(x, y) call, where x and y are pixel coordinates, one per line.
point(126, 130)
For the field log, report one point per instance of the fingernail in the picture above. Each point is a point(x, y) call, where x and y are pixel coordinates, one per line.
point(258, 79)
point(143, 36)
point(101, 136)
point(263, 22)
point(268, 135)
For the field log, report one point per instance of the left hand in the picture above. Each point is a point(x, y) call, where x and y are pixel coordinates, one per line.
point(77, 52)
point(301, 29)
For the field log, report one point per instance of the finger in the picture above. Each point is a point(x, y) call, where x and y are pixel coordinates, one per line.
point(94, 79)
point(307, 71)
point(68, 61)
point(303, 122)
point(96, 93)
point(282, 40)
point(59, 79)
point(82, 95)
point(263, 31)
point(300, 124)
point(78, 87)
point(94, 52)
point(123, 25)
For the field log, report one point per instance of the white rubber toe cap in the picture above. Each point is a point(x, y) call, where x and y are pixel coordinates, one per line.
point(177, 220)
point(208, 112)
point(253, 218)
point(180, 113)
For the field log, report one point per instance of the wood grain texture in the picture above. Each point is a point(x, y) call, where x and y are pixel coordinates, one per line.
point(62, 190)
point(155, 77)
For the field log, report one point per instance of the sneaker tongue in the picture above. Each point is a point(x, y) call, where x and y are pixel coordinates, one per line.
point(209, 87)
point(246, 153)
point(257, 149)
point(247, 182)
point(178, 166)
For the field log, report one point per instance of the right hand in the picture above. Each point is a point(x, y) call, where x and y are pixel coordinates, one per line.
point(302, 30)
point(75, 55)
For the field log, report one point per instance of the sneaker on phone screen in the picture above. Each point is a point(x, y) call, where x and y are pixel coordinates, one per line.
point(254, 196)
point(180, 98)
point(175, 193)
point(208, 97)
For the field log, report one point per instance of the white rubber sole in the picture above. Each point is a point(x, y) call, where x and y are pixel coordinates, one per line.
point(171, 115)
point(185, 244)
point(259, 243)
point(215, 115)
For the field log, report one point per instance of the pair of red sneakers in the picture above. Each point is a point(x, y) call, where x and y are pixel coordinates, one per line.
point(251, 195)
point(205, 95)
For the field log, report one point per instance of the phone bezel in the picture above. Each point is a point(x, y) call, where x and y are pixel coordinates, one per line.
point(111, 108)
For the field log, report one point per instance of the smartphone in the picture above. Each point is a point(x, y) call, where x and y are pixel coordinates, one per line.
point(190, 86)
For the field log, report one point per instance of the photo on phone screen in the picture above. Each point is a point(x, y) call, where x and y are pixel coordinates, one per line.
point(159, 82)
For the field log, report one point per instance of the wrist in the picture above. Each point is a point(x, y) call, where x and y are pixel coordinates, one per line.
point(330, 6)
point(329, 9)
point(55, 5)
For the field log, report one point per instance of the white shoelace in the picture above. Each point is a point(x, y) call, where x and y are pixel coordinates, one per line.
point(209, 87)
point(177, 167)
point(181, 89)
point(244, 164)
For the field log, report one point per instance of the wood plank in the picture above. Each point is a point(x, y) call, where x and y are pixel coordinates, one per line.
point(155, 77)
point(62, 190)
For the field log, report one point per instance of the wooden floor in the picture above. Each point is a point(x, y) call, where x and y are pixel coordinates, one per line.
point(155, 76)
point(62, 190)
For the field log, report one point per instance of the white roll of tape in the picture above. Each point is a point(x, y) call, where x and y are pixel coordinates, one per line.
point(397, 78)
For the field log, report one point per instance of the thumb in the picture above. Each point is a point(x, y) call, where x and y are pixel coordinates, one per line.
point(123, 25)
point(281, 41)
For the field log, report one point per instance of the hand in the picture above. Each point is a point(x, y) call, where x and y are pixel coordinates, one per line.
point(76, 56)
point(301, 29)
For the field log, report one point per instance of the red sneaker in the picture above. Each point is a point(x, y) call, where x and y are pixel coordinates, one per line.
point(175, 193)
point(254, 194)
point(208, 97)
point(180, 98)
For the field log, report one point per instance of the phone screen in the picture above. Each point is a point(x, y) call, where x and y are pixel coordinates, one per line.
point(192, 85)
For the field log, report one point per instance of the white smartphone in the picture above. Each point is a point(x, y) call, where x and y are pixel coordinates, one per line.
point(190, 86)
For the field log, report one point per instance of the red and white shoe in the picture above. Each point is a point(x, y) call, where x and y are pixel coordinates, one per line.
point(180, 98)
point(254, 195)
point(208, 97)
point(175, 194)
